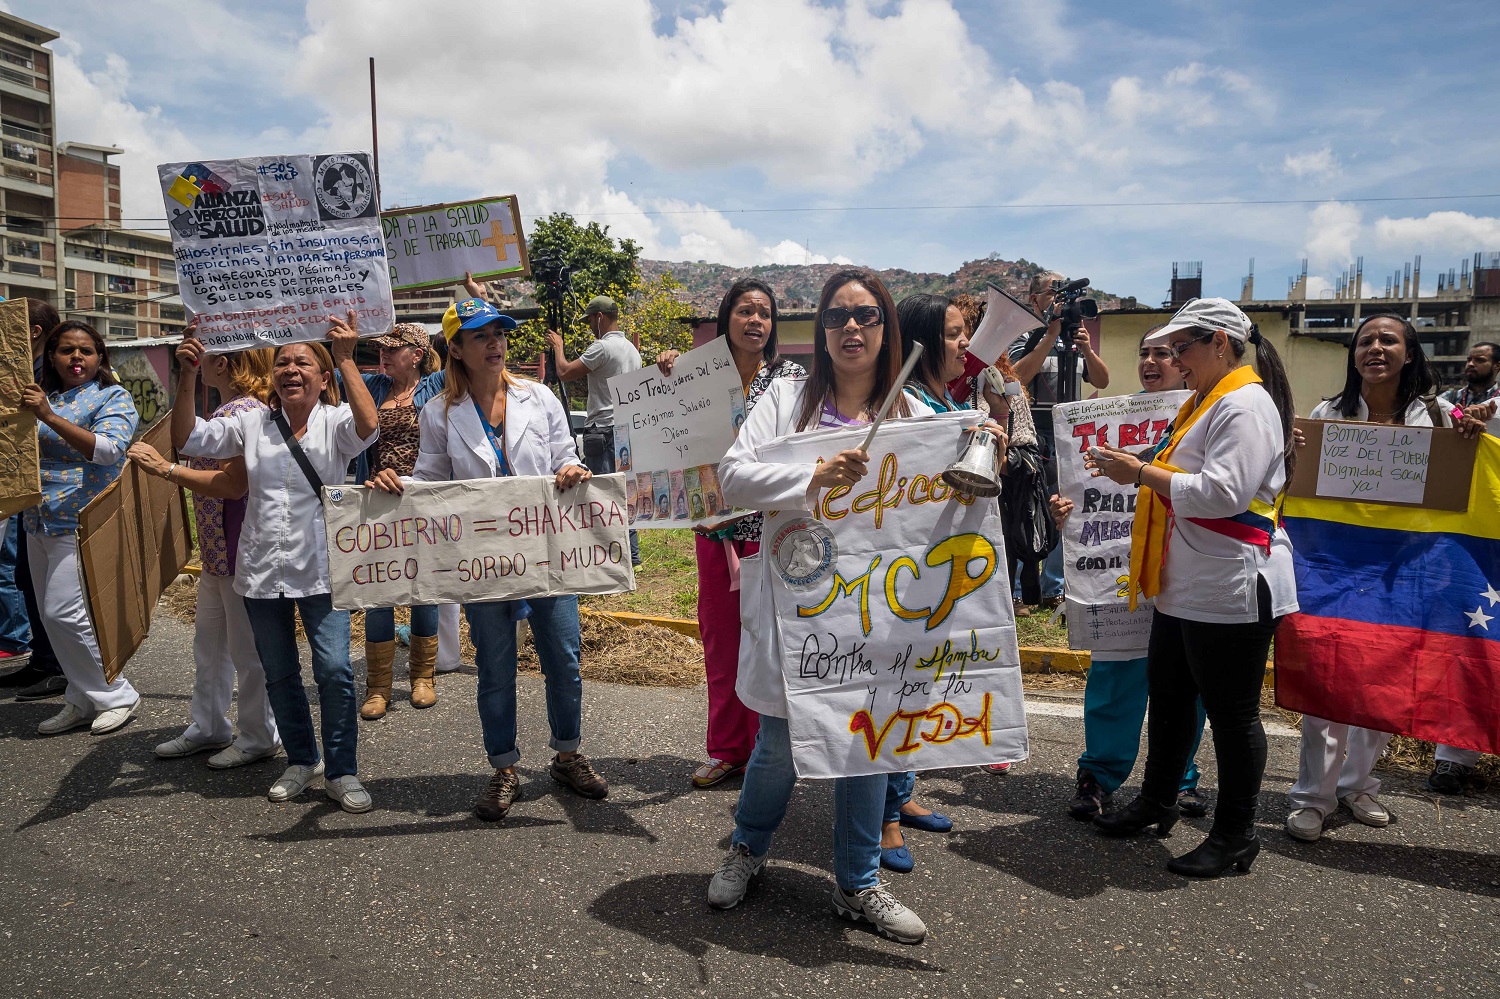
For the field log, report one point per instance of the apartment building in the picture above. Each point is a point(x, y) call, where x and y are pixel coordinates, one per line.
point(29, 244)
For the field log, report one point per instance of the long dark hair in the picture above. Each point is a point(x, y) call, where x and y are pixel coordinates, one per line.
point(731, 298)
point(51, 380)
point(923, 319)
point(40, 313)
point(1273, 379)
point(887, 365)
point(1417, 379)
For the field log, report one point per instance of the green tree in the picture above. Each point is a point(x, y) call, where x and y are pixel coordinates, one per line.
point(653, 317)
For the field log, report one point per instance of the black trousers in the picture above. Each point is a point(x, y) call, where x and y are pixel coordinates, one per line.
point(1225, 664)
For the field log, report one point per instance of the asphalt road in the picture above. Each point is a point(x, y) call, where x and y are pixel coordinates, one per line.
point(128, 875)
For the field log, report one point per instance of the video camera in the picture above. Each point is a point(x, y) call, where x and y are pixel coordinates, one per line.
point(1070, 305)
point(552, 277)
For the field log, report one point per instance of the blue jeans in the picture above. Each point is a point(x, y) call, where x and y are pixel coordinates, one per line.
point(1114, 709)
point(858, 803)
point(554, 626)
point(328, 635)
point(15, 625)
point(898, 791)
point(380, 623)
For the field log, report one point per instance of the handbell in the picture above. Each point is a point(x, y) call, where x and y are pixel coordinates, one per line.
point(977, 470)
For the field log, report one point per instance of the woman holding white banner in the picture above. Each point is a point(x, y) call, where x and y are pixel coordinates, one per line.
point(856, 361)
point(223, 644)
point(306, 439)
point(487, 424)
point(1114, 699)
point(1206, 546)
point(747, 318)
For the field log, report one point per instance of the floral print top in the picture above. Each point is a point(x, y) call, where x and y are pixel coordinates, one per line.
point(69, 480)
point(749, 528)
point(219, 520)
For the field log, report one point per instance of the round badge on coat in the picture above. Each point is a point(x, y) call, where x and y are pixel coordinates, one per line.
point(804, 552)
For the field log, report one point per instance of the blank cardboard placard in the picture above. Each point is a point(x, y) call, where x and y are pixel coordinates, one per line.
point(1450, 465)
point(133, 540)
point(20, 475)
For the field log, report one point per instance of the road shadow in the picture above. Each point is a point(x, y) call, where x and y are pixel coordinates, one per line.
point(1048, 849)
point(787, 914)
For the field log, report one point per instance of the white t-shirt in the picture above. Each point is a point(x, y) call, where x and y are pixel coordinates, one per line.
point(611, 354)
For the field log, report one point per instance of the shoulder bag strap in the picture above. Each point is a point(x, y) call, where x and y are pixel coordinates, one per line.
point(299, 455)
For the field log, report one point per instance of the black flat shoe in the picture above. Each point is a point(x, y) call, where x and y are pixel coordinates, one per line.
point(1135, 817)
point(1215, 856)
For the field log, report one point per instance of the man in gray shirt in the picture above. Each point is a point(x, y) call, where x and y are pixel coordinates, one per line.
point(610, 354)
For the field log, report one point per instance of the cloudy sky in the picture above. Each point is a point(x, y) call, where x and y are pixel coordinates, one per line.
point(895, 133)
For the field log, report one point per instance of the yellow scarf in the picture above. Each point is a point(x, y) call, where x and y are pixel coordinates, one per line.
point(1148, 533)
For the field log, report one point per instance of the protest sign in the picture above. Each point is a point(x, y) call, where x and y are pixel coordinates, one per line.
point(1096, 536)
point(20, 475)
point(475, 540)
point(890, 611)
point(671, 432)
point(133, 540)
point(1379, 463)
point(437, 244)
point(269, 247)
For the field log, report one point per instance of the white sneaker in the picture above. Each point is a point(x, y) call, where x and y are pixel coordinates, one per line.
point(1368, 809)
point(183, 746)
point(234, 756)
point(349, 793)
point(65, 720)
point(108, 721)
point(732, 879)
point(294, 781)
point(878, 907)
point(1305, 824)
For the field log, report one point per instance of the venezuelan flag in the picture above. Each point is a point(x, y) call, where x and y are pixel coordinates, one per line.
point(1400, 623)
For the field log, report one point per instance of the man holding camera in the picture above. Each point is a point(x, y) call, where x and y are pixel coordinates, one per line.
point(1039, 361)
point(610, 354)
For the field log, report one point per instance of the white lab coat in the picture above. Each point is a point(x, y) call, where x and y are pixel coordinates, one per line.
point(538, 440)
point(752, 484)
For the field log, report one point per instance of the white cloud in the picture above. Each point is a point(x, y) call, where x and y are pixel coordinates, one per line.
point(1332, 230)
point(1439, 232)
point(1317, 164)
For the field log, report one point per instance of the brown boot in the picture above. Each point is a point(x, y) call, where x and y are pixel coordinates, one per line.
point(423, 667)
point(378, 659)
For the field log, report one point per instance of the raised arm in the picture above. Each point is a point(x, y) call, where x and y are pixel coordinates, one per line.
point(189, 358)
point(343, 337)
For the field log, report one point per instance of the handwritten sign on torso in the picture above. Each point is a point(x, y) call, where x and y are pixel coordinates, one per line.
point(671, 432)
point(476, 540)
point(437, 244)
point(1374, 464)
point(269, 247)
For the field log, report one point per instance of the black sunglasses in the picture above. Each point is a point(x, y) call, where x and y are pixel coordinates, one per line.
point(863, 315)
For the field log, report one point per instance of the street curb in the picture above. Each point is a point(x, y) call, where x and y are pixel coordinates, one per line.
point(678, 624)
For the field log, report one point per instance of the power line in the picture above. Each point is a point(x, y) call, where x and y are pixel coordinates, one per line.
point(1008, 206)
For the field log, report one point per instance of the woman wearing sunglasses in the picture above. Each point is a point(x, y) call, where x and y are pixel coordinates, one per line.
point(856, 359)
point(1205, 545)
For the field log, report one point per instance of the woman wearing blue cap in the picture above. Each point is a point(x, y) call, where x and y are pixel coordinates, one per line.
point(488, 423)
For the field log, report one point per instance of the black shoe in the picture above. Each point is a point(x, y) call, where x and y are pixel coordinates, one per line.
point(1135, 817)
point(26, 674)
point(1448, 777)
point(48, 686)
point(1091, 799)
point(1192, 804)
point(498, 796)
point(1215, 856)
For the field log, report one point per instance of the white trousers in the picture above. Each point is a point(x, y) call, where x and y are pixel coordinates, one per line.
point(1336, 762)
point(224, 649)
point(448, 654)
point(57, 578)
point(1452, 754)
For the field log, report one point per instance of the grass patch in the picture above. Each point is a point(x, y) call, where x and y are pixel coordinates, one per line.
point(666, 583)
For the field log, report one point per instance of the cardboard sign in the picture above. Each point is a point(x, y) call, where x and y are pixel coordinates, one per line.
point(1096, 536)
point(436, 244)
point(1380, 463)
point(475, 540)
point(671, 432)
point(269, 247)
point(890, 611)
point(20, 469)
point(133, 540)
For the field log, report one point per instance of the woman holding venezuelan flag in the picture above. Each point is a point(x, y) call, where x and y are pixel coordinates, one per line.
point(1206, 547)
